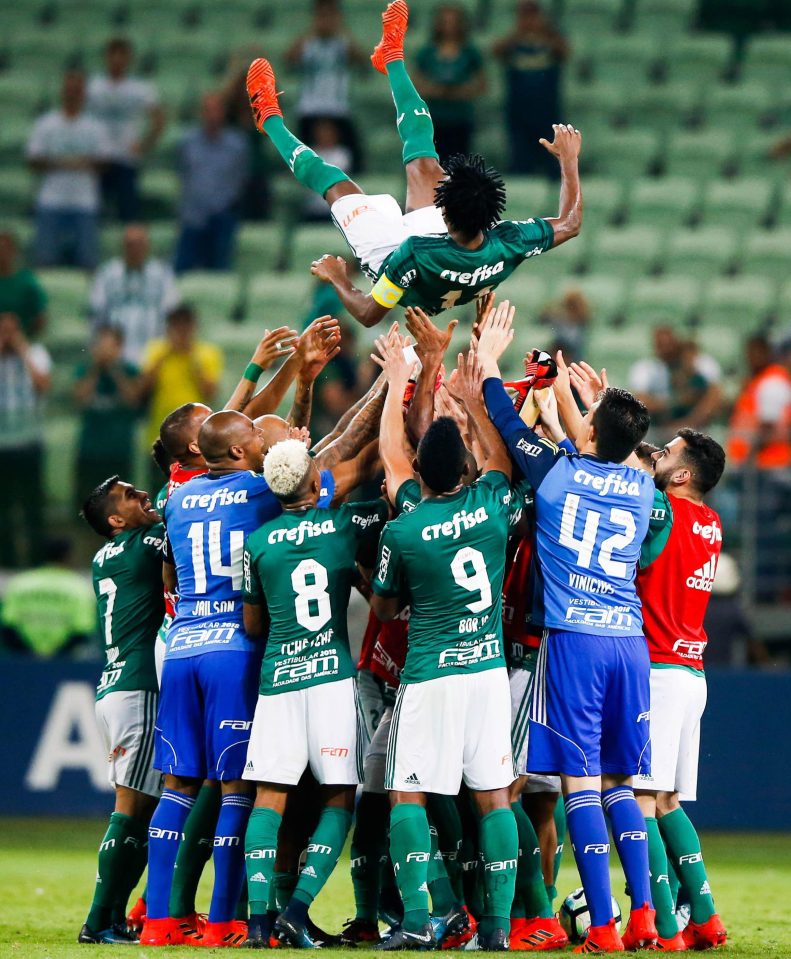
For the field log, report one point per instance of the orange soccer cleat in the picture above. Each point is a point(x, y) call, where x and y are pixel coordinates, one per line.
point(675, 944)
point(601, 939)
point(227, 935)
point(192, 927)
point(391, 46)
point(137, 916)
point(705, 935)
point(163, 932)
point(262, 93)
point(537, 935)
point(641, 929)
point(462, 938)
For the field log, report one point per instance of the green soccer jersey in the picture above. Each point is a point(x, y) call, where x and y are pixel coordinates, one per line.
point(659, 528)
point(301, 565)
point(127, 581)
point(435, 273)
point(447, 557)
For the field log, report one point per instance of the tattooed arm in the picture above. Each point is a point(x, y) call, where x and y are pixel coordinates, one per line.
point(363, 428)
point(430, 346)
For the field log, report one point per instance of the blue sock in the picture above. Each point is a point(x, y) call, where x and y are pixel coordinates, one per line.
point(631, 840)
point(296, 911)
point(229, 856)
point(591, 845)
point(164, 835)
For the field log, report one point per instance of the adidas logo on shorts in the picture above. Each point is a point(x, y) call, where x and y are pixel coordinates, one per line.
point(412, 780)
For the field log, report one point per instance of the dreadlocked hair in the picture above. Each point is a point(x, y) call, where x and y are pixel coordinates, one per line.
point(472, 196)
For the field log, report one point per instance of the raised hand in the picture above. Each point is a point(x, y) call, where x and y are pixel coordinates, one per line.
point(547, 404)
point(566, 144)
point(465, 383)
point(429, 339)
point(496, 332)
point(390, 358)
point(318, 345)
point(280, 342)
point(329, 268)
point(587, 382)
point(483, 306)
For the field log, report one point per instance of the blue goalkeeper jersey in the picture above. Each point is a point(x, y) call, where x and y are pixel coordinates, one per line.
point(591, 519)
point(208, 520)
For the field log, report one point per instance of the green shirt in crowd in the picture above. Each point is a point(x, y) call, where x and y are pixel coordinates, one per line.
point(454, 72)
point(108, 424)
point(21, 293)
point(127, 581)
point(447, 556)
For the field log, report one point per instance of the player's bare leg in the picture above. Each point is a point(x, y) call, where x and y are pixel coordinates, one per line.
point(421, 162)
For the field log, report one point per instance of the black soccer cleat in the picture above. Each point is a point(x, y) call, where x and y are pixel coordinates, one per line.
point(115, 935)
point(495, 941)
point(453, 923)
point(402, 940)
point(324, 940)
point(294, 934)
point(360, 932)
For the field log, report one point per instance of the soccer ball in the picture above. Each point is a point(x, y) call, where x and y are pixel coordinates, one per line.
point(575, 917)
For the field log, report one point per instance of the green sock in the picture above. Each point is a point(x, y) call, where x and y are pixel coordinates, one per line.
point(531, 899)
point(306, 165)
point(444, 814)
point(281, 889)
point(660, 881)
point(560, 826)
point(138, 861)
point(195, 850)
point(324, 848)
point(443, 899)
point(684, 845)
point(673, 876)
point(413, 118)
point(500, 849)
point(260, 848)
point(368, 844)
point(117, 854)
point(410, 850)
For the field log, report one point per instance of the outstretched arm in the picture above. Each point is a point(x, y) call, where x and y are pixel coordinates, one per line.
point(430, 346)
point(317, 346)
point(566, 147)
point(280, 342)
point(349, 415)
point(392, 436)
point(466, 386)
point(361, 430)
point(362, 306)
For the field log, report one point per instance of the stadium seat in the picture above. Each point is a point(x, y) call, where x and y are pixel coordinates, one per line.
point(784, 210)
point(768, 59)
point(627, 252)
point(617, 349)
point(529, 291)
point(216, 296)
point(163, 239)
point(742, 204)
point(624, 154)
point(160, 190)
point(60, 442)
point(258, 247)
point(725, 345)
point(663, 203)
point(666, 299)
point(698, 60)
point(703, 253)
point(528, 196)
point(277, 299)
point(40, 51)
point(701, 154)
point(22, 95)
point(626, 59)
point(595, 105)
point(741, 107)
point(14, 133)
point(591, 17)
point(562, 261)
point(606, 294)
point(603, 202)
point(742, 303)
point(67, 291)
point(752, 156)
point(663, 18)
point(312, 240)
point(17, 189)
point(767, 253)
point(663, 107)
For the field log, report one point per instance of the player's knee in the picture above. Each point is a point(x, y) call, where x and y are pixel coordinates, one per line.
point(667, 803)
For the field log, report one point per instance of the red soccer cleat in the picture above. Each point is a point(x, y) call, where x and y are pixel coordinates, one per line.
point(641, 929)
point(676, 944)
point(192, 927)
point(705, 935)
point(540, 371)
point(163, 932)
point(391, 46)
point(601, 939)
point(262, 93)
point(456, 942)
point(137, 916)
point(538, 935)
point(224, 935)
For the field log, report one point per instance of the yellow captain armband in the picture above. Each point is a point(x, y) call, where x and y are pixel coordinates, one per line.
point(386, 293)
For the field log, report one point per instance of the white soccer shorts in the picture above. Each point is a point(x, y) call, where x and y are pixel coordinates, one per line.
point(126, 720)
point(376, 757)
point(521, 683)
point(319, 726)
point(448, 729)
point(160, 648)
point(374, 226)
point(678, 699)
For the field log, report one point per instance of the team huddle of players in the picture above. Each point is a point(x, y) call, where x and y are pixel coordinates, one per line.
point(533, 658)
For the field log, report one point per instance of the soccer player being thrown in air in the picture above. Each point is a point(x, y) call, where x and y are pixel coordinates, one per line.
point(451, 245)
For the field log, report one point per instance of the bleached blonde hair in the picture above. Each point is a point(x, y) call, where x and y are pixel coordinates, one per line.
point(285, 467)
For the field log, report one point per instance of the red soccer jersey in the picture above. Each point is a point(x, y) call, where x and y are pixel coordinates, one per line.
point(518, 602)
point(384, 647)
point(179, 475)
point(675, 588)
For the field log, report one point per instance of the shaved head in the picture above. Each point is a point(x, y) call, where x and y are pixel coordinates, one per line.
point(274, 428)
point(229, 440)
point(179, 431)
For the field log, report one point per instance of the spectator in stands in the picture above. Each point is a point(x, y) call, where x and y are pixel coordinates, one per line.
point(108, 392)
point(20, 291)
point(68, 148)
point(256, 200)
point(450, 76)
point(51, 610)
point(133, 293)
point(679, 385)
point(532, 55)
point(324, 56)
point(24, 380)
point(214, 163)
point(179, 369)
point(569, 318)
point(130, 110)
point(327, 144)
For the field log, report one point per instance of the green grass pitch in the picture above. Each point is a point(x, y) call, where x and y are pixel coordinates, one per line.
point(47, 868)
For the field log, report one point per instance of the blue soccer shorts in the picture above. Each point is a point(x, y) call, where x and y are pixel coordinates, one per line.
point(206, 707)
point(591, 704)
